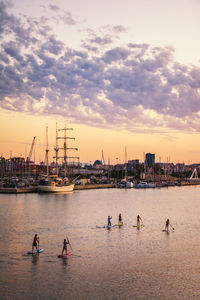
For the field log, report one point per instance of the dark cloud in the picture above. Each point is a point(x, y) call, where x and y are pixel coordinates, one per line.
point(116, 54)
point(12, 50)
point(52, 45)
point(132, 86)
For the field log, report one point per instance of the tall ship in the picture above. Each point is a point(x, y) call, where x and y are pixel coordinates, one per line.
point(54, 183)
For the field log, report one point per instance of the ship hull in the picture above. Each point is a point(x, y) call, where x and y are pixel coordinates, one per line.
point(56, 189)
point(144, 185)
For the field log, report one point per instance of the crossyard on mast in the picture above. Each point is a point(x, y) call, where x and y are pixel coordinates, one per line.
point(64, 148)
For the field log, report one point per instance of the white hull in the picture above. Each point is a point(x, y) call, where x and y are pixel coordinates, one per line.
point(129, 185)
point(56, 189)
point(144, 185)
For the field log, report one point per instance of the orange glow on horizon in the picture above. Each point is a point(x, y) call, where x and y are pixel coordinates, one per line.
point(19, 129)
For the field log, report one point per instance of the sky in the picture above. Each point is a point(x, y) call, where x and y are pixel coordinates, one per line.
point(122, 74)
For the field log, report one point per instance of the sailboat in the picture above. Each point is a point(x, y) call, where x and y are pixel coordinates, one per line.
point(53, 183)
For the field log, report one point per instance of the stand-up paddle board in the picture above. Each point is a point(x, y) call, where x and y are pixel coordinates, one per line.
point(120, 224)
point(35, 251)
point(108, 226)
point(138, 226)
point(65, 255)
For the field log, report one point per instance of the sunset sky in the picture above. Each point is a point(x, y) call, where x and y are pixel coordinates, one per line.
point(121, 73)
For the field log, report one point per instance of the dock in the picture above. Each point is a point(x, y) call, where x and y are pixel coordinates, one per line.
point(17, 190)
point(93, 186)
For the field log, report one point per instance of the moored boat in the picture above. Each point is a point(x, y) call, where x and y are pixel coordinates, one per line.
point(144, 184)
point(54, 184)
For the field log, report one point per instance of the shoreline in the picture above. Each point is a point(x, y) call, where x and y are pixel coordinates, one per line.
point(34, 189)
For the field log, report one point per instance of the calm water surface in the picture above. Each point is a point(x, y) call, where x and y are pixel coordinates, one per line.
point(121, 263)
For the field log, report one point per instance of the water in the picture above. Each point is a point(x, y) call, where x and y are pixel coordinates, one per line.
point(121, 263)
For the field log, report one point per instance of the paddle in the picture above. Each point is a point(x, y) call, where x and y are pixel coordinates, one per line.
point(69, 243)
point(171, 226)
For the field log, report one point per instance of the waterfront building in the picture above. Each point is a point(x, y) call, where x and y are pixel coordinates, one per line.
point(133, 162)
point(97, 163)
point(150, 159)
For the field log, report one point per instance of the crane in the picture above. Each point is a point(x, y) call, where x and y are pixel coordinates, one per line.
point(31, 150)
point(29, 157)
point(103, 158)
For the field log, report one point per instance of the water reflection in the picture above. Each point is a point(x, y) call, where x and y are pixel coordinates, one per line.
point(35, 258)
point(119, 263)
point(64, 261)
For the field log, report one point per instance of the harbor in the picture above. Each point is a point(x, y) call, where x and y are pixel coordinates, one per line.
point(66, 173)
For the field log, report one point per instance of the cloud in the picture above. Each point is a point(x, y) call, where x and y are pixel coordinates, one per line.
point(68, 19)
point(119, 29)
point(54, 7)
point(100, 40)
point(131, 86)
point(116, 54)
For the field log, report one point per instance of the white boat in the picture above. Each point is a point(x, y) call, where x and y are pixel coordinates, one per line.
point(144, 184)
point(55, 185)
point(129, 184)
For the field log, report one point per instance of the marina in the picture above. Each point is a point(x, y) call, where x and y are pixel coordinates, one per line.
point(20, 175)
point(72, 187)
point(141, 185)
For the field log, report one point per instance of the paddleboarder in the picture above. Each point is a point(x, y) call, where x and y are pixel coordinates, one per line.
point(138, 220)
point(35, 242)
point(167, 224)
point(109, 221)
point(65, 242)
point(120, 217)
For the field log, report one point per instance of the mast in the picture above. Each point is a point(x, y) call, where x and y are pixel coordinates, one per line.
point(56, 150)
point(125, 164)
point(65, 148)
point(144, 176)
point(47, 151)
point(159, 168)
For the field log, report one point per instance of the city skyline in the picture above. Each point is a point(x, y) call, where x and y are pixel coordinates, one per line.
point(123, 79)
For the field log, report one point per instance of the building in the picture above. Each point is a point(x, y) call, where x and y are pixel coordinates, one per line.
point(150, 159)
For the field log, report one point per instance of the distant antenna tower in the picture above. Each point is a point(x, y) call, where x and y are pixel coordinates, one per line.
point(125, 155)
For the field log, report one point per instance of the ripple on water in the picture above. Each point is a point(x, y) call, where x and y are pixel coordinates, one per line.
point(121, 263)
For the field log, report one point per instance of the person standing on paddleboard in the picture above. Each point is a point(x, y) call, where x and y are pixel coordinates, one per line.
point(109, 221)
point(35, 242)
point(167, 224)
point(120, 217)
point(65, 242)
point(138, 220)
